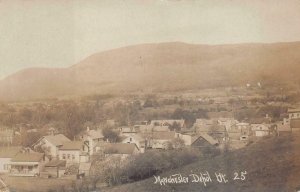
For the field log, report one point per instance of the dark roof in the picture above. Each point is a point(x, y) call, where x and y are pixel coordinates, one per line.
point(207, 137)
point(72, 145)
point(28, 157)
point(56, 163)
point(119, 148)
point(9, 152)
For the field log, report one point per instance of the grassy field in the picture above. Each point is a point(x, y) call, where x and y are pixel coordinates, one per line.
point(271, 165)
point(29, 184)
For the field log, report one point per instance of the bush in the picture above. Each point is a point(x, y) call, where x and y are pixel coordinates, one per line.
point(152, 163)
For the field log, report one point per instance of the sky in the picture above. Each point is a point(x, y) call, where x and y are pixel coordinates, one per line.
point(50, 33)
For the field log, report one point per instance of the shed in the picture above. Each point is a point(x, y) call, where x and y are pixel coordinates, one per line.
point(54, 169)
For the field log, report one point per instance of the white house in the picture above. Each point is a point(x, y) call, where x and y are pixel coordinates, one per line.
point(260, 130)
point(27, 164)
point(122, 150)
point(160, 140)
point(50, 144)
point(73, 152)
point(294, 113)
point(6, 154)
point(91, 138)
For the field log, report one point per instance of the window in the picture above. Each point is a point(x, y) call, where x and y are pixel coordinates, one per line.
point(30, 168)
point(69, 156)
point(64, 156)
point(73, 157)
point(5, 167)
point(130, 139)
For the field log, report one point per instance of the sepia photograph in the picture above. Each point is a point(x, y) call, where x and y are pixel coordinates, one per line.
point(150, 96)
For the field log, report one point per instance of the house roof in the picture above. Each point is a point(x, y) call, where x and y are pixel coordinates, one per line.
point(95, 134)
point(294, 110)
point(205, 136)
point(57, 140)
point(72, 145)
point(56, 163)
point(119, 148)
point(28, 157)
point(9, 152)
point(136, 137)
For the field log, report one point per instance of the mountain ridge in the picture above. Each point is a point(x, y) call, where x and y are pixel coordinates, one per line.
point(160, 67)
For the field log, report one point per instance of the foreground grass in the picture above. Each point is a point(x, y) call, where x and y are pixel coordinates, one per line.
point(272, 164)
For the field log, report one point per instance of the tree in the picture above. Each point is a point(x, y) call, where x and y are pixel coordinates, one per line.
point(110, 135)
point(178, 143)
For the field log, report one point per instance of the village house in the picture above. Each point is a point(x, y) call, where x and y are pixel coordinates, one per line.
point(91, 138)
point(282, 128)
point(50, 144)
point(122, 150)
point(260, 130)
point(294, 113)
point(160, 140)
point(211, 127)
point(73, 152)
point(27, 164)
point(138, 140)
point(6, 154)
point(204, 141)
point(127, 131)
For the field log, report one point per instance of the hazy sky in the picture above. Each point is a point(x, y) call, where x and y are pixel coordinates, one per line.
point(54, 33)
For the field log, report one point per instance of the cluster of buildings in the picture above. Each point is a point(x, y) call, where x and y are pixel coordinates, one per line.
point(53, 155)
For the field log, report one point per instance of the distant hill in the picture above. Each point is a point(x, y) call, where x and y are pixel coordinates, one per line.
point(159, 67)
point(271, 165)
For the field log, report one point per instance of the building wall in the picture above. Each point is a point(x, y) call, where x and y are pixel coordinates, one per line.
point(295, 115)
point(70, 156)
point(5, 165)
